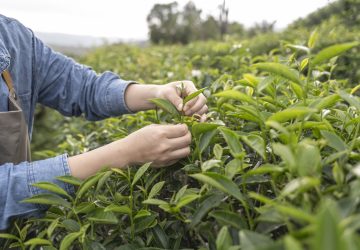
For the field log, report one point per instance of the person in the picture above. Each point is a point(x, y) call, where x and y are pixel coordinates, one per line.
point(33, 73)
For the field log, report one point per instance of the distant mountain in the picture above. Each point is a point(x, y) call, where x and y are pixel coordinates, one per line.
point(79, 45)
point(59, 39)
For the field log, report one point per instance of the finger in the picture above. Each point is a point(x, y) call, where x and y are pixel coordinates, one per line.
point(197, 106)
point(203, 118)
point(175, 131)
point(175, 98)
point(180, 153)
point(203, 110)
point(164, 164)
point(189, 87)
point(190, 103)
point(170, 163)
point(181, 142)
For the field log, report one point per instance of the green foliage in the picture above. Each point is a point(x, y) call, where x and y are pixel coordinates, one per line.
point(275, 166)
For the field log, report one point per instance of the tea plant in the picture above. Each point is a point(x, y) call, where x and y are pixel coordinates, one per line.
point(275, 166)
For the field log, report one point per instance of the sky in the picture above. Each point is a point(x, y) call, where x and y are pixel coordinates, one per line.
point(127, 19)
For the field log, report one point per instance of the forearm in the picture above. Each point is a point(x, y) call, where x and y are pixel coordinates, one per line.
point(137, 96)
point(16, 184)
point(111, 155)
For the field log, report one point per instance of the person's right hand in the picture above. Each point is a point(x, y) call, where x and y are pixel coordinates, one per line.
point(163, 145)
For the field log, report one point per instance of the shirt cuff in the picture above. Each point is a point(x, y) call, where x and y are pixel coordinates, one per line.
point(115, 97)
point(48, 170)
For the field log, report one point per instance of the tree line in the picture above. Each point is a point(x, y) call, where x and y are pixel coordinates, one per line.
point(168, 24)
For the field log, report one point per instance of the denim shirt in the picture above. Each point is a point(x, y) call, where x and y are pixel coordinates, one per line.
point(43, 76)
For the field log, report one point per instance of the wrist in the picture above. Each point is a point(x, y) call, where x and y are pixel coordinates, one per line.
point(119, 153)
point(137, 96)
point(113, 155)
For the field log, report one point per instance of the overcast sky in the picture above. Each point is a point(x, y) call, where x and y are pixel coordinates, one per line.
point(127, 19)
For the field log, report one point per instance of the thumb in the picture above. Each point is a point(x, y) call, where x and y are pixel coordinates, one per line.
point(177, 101)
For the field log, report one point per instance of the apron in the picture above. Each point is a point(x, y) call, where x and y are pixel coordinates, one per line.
point(14, 139)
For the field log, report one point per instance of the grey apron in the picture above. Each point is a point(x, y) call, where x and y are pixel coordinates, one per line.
point(14, 139)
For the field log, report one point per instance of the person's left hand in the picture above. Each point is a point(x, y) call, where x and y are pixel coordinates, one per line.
point(172, 92)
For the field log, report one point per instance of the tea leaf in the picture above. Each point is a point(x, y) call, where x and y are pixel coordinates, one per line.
point(351, 99)
point(118, 209)
point(69, 179)
point(304, 63)
point(328, 232)
point(71, 225)
point(52, 227)
point(251, 79)
point(299, 185)
point(99, 215)
point(308, 159)
point(142, 213)
point(218, 151)
point(180, 193)
point(229, 218)
point(297, 90)
point(326, 102)
point(68, 240)
point(145, 223)
point(154, 202)
point(156, 189)
point(251, 240)
point(291, 243)
point(256, 142)
point(334, 141)
point(232, 139)
point(205, 140)
point(140, 173)
point(287, 210)
point(223, 240)
point(235, 95)
point(332, 51)
point(324, 125)
point(280, 70)
point(160, 236)
point(52, 187)
point(166, 105)
point(313, 38)
point(291, 113)
point(200, 128)
point(192, 96)
point(210, 202)
point(85, 186)
point(220, 182)
point(37, 242)
point(298, 47)
point(48, 199)
point(102, 180)
point(9, 236)
point(186, 199)
point(286, 154)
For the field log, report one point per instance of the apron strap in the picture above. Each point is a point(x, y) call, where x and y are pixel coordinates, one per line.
point(9, 83)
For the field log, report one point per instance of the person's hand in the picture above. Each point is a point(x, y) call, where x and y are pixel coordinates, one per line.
point(172, 92)
point(137, 97)
point(162, 145)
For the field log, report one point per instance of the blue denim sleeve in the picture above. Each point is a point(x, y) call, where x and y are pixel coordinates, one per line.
point(73, 89)
point(16, 184)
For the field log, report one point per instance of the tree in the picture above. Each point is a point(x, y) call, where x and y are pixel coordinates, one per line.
point(223, 19)
point(191, 23)
point(260, 28)
point(210, 29)
point(163, 23)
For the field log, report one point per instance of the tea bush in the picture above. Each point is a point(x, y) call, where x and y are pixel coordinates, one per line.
point(276, 165)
